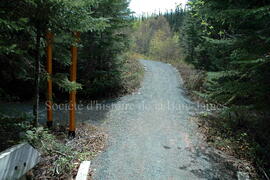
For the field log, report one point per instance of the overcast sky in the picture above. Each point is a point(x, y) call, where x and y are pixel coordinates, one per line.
point(150, 6)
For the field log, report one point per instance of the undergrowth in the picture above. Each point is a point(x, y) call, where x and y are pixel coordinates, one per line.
point(132, 73)
point(11, 130)
point(125, 79)
point(60, 156)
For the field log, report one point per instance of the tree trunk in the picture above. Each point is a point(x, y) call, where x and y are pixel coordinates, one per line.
point(37, 79)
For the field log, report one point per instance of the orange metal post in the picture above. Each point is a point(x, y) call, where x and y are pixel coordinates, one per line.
point(72, 96)
point(49, 86)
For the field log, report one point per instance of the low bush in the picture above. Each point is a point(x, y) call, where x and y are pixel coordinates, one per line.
point(132, 73)
point(61, 157)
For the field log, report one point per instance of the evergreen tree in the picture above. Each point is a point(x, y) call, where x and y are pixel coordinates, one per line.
point(25, 24)
point(231, 39)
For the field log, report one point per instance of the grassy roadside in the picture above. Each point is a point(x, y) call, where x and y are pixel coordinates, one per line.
point(124, 79)
point(193, 79)
point(131, 75)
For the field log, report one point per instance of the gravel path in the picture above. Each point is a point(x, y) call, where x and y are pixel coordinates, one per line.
point(151, 137)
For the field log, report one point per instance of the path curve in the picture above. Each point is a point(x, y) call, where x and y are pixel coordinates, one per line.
point(151, 137)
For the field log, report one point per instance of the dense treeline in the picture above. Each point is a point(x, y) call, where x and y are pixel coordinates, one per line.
point(155, 38)
point(101, 70)
point(103, 25)
point(229, 42)
point(233, 41)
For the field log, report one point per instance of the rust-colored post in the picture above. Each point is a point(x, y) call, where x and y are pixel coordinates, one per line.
point(49, 83)
point(72, 96)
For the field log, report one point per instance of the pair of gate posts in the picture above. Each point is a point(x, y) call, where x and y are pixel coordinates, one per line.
point(73, 76)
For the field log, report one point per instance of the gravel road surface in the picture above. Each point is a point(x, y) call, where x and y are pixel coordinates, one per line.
point(151, 136)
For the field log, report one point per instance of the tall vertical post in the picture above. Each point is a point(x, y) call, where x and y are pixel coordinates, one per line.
point(73, 77)
point(49, 80)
